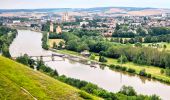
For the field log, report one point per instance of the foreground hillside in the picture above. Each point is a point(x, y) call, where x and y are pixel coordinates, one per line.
point(18, 82)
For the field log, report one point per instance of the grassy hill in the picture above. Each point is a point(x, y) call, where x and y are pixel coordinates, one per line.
point(19, 82)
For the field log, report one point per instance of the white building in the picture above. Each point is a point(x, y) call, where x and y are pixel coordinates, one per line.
point(16, 21)
point(84, 23)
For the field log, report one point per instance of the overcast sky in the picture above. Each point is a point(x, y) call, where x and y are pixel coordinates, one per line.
point(29, 4)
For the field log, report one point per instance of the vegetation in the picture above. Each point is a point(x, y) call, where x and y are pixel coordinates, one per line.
point(6, 37)
point(139, 57)
point(20, 82)
point(89, 87)
point(45, 41)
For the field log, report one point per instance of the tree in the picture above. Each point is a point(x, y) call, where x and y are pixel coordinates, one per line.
point(167, 71)
point(61, 44)
point(167, 61)
point(122, 59)
point(128, 90)
point(54, 45)
point(5, 51)
point(142, 72)
point(55, 73)
point(23, 59)
point(92, 56)
point(102, 59)
point(117, 27)
point(164, 46)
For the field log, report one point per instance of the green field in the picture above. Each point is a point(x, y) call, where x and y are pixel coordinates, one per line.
point(19, 82)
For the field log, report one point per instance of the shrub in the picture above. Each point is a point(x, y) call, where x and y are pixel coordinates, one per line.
point(117, 67)
point(142, 72)
point(149, 75)
point(102, 59)
point(84, 95)
point(130, 70)
point(167, 71)
point(92, 57)
point(162, 71)
point(123, 68)
point(112, 66)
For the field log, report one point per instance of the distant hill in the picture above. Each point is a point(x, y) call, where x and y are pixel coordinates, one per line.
point(73, 9)
point(19, 82)
point(121, 11)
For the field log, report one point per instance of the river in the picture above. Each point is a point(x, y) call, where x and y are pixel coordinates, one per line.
point(29, 42)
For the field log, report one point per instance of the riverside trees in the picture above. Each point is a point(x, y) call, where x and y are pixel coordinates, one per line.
point(6, 37)
point(138, 54)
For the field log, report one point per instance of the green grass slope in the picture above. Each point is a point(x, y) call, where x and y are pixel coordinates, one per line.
point(18, 82)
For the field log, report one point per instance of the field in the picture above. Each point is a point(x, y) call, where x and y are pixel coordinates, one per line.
point(57, 41)
point(19, 82)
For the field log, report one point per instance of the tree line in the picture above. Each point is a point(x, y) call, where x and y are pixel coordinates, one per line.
point(6, 37)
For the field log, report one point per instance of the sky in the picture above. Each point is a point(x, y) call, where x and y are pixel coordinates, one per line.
point(34, 4)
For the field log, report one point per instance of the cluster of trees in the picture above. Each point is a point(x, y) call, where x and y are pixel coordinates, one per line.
point(6, 37)
point(126, 92)
point(152, 35)
point(97, 44)
point(139, 55)
point(39, 65)
point(45, 41)
point(160, 38)
point(26, 60)
point(126, 31)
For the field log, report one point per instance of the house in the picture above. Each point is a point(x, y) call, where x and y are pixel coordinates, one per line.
point(84, 23)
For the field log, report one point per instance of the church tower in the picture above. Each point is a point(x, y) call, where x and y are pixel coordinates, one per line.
point(51, 27)
point(58, 30)
point(65, 17)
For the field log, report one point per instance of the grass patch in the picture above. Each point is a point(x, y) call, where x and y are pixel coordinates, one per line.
point(19, 82)
point(57, 41)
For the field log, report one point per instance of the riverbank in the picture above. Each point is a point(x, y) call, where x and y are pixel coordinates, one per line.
point(154, 71)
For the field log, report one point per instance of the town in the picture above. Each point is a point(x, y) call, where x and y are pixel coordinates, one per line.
point(110, 53)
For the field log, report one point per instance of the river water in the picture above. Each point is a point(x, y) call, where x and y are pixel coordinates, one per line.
point(29, 42)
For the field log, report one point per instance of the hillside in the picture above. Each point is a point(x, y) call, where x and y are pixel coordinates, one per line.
point(19, 82)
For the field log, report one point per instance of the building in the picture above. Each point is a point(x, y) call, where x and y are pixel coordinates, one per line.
point(65, 17)
point(84, 23)
point(51, 27)
point(16, 21)
point(166, 15)
point(58, 30)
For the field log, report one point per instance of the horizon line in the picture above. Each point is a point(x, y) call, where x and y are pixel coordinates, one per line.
point(82, 8)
